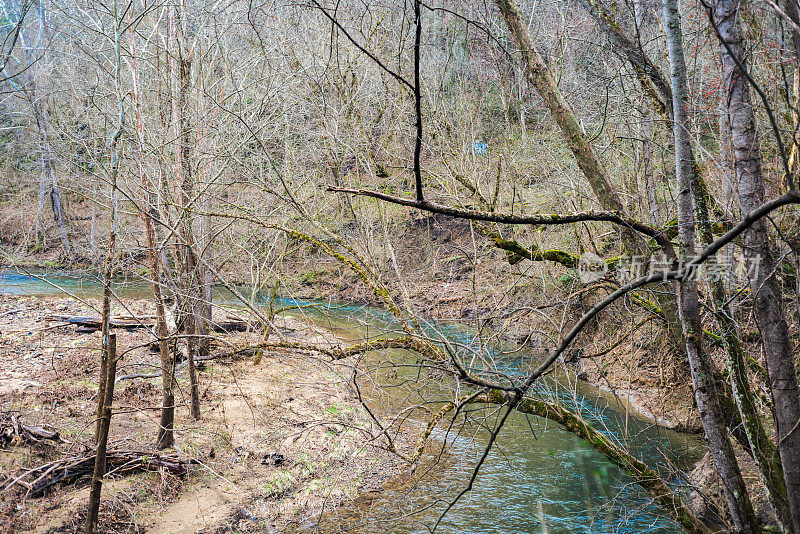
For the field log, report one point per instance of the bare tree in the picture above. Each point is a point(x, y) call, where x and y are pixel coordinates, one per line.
point(705, 392)
point(761, 263)
point(165, 437)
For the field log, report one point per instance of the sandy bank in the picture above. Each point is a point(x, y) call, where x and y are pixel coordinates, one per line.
point(290, 404)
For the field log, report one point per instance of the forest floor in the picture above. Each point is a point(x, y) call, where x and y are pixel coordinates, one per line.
point(289, 404)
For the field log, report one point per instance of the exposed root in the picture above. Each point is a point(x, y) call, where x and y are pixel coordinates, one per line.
point(13, 431)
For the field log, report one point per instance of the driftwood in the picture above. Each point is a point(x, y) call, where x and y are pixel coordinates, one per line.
point(92, 324)
point(13, 430)
point(72, 468)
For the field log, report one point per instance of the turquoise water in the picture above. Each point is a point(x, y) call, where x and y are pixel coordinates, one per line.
point(538, 478)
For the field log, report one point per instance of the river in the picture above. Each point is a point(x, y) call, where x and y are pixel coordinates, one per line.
point(538, 478)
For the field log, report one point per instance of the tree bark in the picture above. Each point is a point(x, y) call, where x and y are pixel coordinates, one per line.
point(726, 156)
point(108, 366)
point(651, 80)
point(764, 453)
point(768, 302)
point(700, 365)
point(653, 83)
point(542, 80)
point(650, 183)
point(540, 77)
point(746, 418)
point(640, 472)
point(190, 302)
point(105, 403)
point(105, 320)
point(793, 12)
point(48, 183)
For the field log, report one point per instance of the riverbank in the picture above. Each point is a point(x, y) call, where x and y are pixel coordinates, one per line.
point(277, 442)
point(623, 354)
point(471, 283)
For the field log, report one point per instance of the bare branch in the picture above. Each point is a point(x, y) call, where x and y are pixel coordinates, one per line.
point(539, 219)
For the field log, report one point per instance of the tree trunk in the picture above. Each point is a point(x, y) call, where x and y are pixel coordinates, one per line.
point(190, 285)
point(108, 358)
point(93, 235)
point(640, 472)
point(539, 76)
point(768, 302)
point(58, 211)
point(104, 402)
point(106, 317)
point(41, 226)
point(650, 183)
point(726, 157)
point(700, 365)
point(204, 276)
point(793, 11)
point(746, 418)
point(161, 185)
point(764, 453)
point(48, 183)
point(165, 437)
point(756, 439)
point(542, 80)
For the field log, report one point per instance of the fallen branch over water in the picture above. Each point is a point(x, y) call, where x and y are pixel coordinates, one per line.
point(645, 476)
point(72, 468)
point(13, 430)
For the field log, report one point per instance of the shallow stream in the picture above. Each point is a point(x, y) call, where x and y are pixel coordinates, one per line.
point(539, 477)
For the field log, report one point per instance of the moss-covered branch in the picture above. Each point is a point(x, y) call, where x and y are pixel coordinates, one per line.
point(339, 353)
point(517, 252)
point(539, 219)
point(378, 289)
point(641, 473)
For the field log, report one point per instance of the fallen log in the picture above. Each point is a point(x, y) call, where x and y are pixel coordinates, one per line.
point(234, 326)
point(92, 324)
point(72, 468)
point(13, 430)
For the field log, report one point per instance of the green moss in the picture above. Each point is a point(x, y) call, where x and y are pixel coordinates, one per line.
point(645, 476)
point(312, 277)
point(566, 279)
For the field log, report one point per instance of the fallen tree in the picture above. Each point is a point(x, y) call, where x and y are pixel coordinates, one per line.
point(72, 468)
point(90, 324)
point(641, 473)
point(645, 476)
